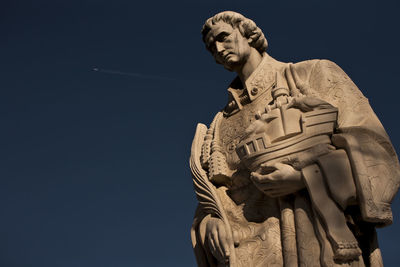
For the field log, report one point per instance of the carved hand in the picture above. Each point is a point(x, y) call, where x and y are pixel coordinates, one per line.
point(217, 239)
point(277, 179)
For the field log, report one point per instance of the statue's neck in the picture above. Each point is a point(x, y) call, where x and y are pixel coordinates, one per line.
point(251, 64)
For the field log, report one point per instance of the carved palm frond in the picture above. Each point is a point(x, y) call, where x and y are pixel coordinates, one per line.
point(205, 191)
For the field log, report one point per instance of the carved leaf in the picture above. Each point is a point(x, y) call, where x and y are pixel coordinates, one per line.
point(205, 191)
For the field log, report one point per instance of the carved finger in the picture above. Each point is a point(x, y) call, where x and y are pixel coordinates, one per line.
point(263, 188)
point(267, 168)
point(272, 186)
point(236, 238)
point(280, 193)
point(219, 254)
point(266, 182)
point(276, 193)
point(276, 176)
point(256, 177)
point(230, 250)
point(225, 244)
point(261, 179)
point(212, 245)
point(274, 190)
point(278, 165)
point(270, 190)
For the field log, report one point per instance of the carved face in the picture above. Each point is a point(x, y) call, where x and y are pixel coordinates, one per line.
point(227, 45)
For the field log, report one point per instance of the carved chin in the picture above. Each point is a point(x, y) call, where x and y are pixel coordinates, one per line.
point(231, 65)
point(228, 67)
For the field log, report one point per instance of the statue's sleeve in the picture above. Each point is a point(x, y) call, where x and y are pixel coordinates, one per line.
point(373, 160)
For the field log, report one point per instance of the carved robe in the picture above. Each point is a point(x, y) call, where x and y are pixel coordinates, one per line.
point(359, 179)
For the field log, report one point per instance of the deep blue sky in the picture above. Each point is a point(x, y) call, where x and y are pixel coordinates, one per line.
point(94, 165)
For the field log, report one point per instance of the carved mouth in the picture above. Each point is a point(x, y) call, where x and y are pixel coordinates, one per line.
point(226, 56)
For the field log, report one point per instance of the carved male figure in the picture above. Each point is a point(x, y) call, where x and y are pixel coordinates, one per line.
point(296, 170)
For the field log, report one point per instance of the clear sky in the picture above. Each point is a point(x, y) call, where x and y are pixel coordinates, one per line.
point(99, 103)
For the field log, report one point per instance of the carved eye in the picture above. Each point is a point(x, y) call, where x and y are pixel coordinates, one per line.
point(222, 36)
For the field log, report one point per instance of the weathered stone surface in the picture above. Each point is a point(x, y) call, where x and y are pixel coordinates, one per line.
point(296, 170)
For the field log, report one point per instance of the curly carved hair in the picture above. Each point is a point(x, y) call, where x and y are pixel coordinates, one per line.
point(246, 26)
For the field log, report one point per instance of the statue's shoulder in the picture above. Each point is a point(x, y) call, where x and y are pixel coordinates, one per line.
point(321, 74)
point(314, 63)
point(317, 67)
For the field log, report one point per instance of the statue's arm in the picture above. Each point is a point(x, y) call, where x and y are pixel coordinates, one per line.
point(373, 160)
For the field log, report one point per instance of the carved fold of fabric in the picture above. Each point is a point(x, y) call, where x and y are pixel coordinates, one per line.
point(369, 149)
point(344, 244)
point(308, 248)
point(374, 162)
point(288, 232)
point(336, 170)
point(362, 152)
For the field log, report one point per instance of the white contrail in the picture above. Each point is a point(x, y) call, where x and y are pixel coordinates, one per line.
point(134, 74)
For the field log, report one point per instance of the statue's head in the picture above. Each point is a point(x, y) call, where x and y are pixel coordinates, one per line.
point(230, 36)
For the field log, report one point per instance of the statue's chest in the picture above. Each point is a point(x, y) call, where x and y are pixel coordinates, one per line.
point(233, 129)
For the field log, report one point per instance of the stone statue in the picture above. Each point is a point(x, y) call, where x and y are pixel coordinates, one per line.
point(296, 170)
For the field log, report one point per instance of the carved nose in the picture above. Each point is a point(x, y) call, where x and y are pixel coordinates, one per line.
point(219, 47)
